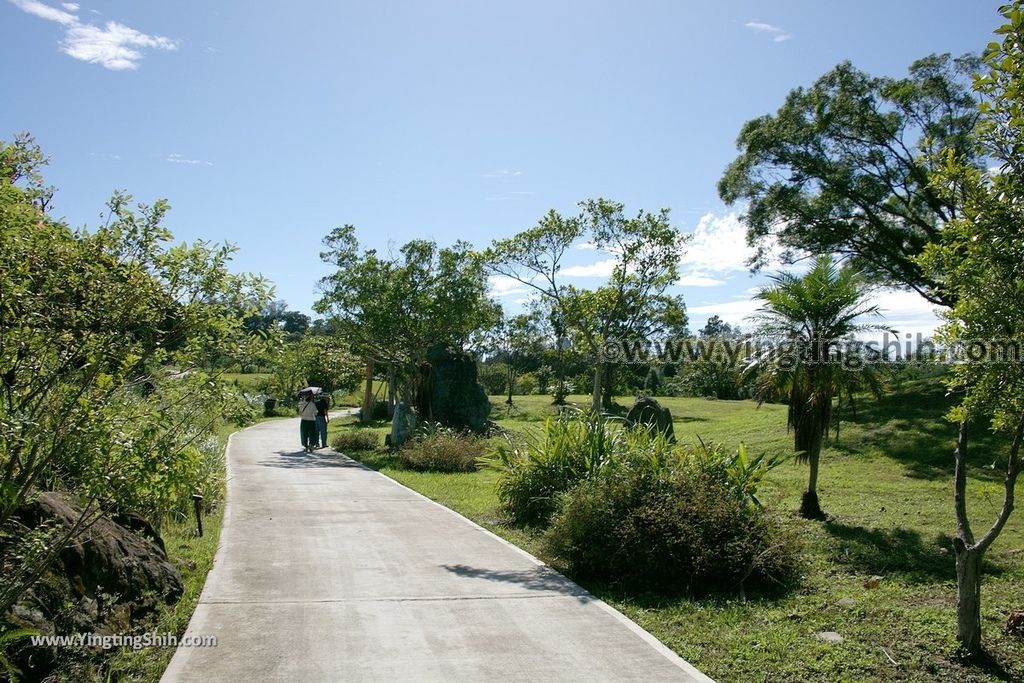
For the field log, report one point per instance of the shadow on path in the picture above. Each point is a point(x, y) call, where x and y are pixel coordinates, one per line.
point(300, 459)
point(538, 579)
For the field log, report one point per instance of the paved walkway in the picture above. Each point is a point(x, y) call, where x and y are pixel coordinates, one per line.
point(328, 571)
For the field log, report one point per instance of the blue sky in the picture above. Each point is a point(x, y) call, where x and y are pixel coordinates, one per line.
point(267, 124)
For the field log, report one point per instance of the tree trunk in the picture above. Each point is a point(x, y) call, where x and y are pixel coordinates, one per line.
point(511, 381)
point(968, 593)
point(609, 382)
point(392, 389)
point(809, 441)
point(595, 395)
point(367, 412)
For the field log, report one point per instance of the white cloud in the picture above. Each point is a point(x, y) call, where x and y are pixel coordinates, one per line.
point(600, 269)
point(114, 46)
point(586, 246)
point(46, 12)
point(698, 281)
point(732, 312)
point(718, 248)
point(907, 311)
point(904, 311)
point(179, 159)
point(502, 286)
point(779, 33)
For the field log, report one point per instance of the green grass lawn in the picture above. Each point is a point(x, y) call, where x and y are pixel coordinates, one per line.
point(887, 488)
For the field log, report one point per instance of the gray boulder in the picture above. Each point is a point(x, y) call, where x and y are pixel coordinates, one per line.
point(403, 425)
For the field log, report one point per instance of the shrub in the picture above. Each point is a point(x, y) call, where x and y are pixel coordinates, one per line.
point(537, 469)
point(355, 440)
point(686, 530)
point(441, 449)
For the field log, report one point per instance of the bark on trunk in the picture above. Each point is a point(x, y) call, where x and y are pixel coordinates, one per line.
point(392, 389)
point(367, 411)
point(609, 382)
point(810, 443)
point(595, 395)
point(968, 593)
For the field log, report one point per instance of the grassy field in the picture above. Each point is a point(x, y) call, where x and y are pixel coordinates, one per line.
point(887, 488)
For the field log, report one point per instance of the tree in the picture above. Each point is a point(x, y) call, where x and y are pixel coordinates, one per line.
point(646, 250)
point(108, 341)
point(981, 262)
point(809, 321)
point(393, 309)
point(322, 361)
point(846, 166)
point(518, 342)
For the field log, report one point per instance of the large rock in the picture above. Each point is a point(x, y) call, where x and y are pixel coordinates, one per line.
point(403, 425)
point(457, 399)
point(106, 582)
point(648, 412)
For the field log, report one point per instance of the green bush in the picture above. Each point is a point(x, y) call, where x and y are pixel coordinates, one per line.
point(440, 449)
point(684, 530)
point(536, 470)
point(354, 440)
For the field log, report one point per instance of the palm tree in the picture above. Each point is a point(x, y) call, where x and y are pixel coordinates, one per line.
point(810, 321)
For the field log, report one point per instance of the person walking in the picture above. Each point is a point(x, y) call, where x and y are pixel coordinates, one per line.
point(307, 426)
point(322, 417)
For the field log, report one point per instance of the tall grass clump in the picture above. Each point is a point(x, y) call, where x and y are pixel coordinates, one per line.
point(538, 468)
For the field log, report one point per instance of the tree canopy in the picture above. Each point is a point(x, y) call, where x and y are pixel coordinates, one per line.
point(845, 167)
point(646, 249)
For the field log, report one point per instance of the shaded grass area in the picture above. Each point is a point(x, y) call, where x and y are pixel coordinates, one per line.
point(887, 488)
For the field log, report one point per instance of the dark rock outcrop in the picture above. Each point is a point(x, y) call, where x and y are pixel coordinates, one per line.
point(648, 412)
point(457, 399)
point(106, 581)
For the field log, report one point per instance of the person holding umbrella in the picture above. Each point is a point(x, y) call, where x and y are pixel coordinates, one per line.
point(308, 435)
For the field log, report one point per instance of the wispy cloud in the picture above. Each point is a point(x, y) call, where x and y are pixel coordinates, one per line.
point(600, 269)
point(179, 159)
point(114, 46)
point(778, 33)
point(502, 173)
point(692, 280)
point(503, 285)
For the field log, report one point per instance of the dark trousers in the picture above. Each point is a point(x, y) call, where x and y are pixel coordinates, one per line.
point(308, 433)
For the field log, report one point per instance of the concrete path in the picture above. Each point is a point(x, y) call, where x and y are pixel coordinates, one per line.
point(329, 571)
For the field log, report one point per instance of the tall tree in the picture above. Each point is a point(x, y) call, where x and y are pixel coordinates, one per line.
point(846, 166)
point(809, 319)
point(646, 250)
point(981, 262)
point(394, 308)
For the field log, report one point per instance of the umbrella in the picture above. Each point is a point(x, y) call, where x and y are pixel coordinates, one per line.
point(309, 390)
